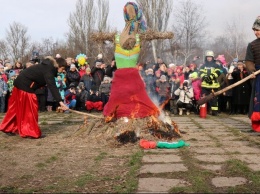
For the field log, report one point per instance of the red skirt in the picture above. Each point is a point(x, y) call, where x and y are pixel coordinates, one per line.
point(22, 115)
point(128, 96)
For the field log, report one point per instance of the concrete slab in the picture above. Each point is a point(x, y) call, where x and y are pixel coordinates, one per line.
point(162, 168)
point(248, 158)
point(162, 151)
point(212, 167)
point(254, 167)
point(161, 158)
point(212, 158)
point(208, 150)
point(228, 181)
point(159, 185)
point(243, 149)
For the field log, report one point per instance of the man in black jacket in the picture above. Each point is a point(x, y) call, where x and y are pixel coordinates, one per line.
point(22, 114)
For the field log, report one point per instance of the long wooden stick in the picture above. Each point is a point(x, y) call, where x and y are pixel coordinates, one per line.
point(86, 114)
point(212, 95)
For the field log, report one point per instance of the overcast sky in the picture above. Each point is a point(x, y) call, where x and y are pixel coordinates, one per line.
point(48, 18)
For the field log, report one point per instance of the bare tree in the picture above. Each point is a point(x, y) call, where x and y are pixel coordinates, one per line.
point(157, 14)
point(3, 49)
point(189, 29)
point(18, 40)
point(87, 18)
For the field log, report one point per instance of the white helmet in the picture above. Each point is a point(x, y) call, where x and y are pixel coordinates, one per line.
point(209, 53)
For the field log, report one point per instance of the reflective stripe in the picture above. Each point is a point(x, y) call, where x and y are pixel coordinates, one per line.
point(214, 108)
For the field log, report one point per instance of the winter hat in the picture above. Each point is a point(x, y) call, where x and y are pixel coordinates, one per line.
point(171, 65)
point(256, 24)
point(163, 78)
point(81, 85)
point(193, 75)
point(235, 60)
point(72, 66)
point(58, 56)
point(222, 59)
point(11, 74)
point(100, 56)
point(88, 69)
point(149, 71)
point(72, 85)
point(106, 78)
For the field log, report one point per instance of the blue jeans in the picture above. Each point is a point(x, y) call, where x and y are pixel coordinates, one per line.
point(72, 104)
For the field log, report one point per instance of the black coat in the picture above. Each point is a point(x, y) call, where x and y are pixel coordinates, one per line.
point(241, 93)
point(37, 76)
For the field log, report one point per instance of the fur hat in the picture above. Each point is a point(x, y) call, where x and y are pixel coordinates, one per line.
point(149, 71)
point(256, 24)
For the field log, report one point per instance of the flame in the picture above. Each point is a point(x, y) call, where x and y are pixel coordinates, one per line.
point(112, 115)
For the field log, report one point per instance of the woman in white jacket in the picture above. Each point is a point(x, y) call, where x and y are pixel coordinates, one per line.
point(185, 93)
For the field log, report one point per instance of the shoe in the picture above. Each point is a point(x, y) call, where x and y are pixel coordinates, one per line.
point(180, 111)
point(10, 134)
point(188, 112)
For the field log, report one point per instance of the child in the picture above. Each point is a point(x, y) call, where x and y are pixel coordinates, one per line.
point(81, 96)
point(61, 85)
point(185, 93)
point(3, 92)
point(104, 89)
point(10, 82)
point(88, 80)
point(70, 98)
point(196, 85)
point(94, 101)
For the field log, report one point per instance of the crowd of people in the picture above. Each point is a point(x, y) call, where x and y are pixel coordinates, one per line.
point(86, 87)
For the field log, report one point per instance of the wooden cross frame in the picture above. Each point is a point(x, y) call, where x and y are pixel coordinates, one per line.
point(127, 41)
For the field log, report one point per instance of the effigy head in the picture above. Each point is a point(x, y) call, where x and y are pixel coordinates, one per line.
point(133, 16)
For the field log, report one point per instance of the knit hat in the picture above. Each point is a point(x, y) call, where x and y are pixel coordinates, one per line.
point(57, 56)
point(100, 56)
point(256, 24)
point(81, 85)
point(149, 71)
point(235, 60)
point(72, 66)
point(106, 78)
point(11, 73)
point(72, 85)
point(222, 59)
point(163, 78)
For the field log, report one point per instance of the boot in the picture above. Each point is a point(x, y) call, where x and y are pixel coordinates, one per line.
point(180, 111)
point(188, 112)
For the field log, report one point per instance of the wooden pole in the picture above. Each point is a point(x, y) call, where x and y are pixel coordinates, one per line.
point(212, 95)
point(86, 114)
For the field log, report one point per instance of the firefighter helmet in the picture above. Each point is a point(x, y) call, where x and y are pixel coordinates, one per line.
point(209, 53)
